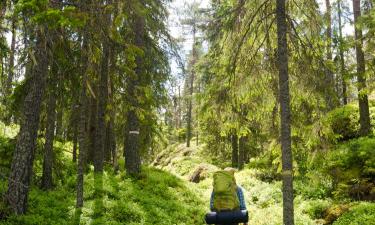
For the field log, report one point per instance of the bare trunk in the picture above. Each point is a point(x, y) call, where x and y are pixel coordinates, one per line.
point(191, 91)
point(22, 164)
point(330, 89)
point(364, 115)
point(342, 59)
point(93, 123)
point(102, 97)
point(59, 115)
point(287, 161)
point(47, 182)
point(234, 140)
point(132, 133)
point(102, 103)
point(83, 121)
point(75, 141)
point(241, 152)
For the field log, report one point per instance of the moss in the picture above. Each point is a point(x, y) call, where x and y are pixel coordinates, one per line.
point(158, 197)
point(361, 214)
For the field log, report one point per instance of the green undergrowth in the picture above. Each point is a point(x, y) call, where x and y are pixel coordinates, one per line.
point(157, 197)
point(264, 200)
point(263, 197)
point(363, 213)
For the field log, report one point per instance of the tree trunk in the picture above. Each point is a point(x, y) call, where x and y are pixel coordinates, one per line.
point(93, 122)
point(103, 95)
point(241, 152)
point(47, 182)
point(287, 161)
point(132, 133)
point(75, 140)
point(234, 140)
point(330, 90)
point(59, 115)
point(23, 157)
point(83, 120)
point(191, 91)
point(364, 115)
point(102, 104)
point(342, 59)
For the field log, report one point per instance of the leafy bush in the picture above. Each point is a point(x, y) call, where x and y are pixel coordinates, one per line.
point(362, 214)
point(315, 185)
point(6, 152)
point(344, 122)
point(351, 164)
point(181, 133)
point(355, 156)
point(316, 208)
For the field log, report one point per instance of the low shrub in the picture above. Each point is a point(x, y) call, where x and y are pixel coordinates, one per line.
point(344, 122)
point(316, 208)
point(361, 214)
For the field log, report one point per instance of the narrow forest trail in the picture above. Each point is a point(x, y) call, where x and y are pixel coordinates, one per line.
point(264, 200)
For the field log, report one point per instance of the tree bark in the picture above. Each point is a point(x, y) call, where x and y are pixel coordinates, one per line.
point(330, 90)
point(241, 152)
point(59, 115)
point(75, 141)
point(191, 91)
point(342, 59)
point(23, 157)
point(132, 133)
point(47, 181)
point(364, 115)
point(234, 140)
point(287, 161)
point(103, 94)
point(83, 120)
point(93, 123)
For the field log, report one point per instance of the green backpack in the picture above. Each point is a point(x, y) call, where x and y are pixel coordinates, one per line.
point(225, 191)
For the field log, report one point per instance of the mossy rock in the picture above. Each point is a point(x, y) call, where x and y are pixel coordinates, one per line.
point(334, 212)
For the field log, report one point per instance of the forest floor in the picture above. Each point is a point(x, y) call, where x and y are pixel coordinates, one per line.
point(263, 198)
point(162, 195)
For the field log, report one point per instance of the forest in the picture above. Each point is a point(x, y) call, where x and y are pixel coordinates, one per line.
point(122, 111)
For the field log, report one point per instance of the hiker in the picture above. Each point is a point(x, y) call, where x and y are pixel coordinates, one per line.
point(226, 194)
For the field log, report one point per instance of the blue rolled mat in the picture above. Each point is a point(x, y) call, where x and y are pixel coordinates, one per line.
point(237, 216)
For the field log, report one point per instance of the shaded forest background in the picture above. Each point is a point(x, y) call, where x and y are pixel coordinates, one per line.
point(102, 111)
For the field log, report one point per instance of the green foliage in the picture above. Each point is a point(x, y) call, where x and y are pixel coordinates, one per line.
point(7, 145)
point(354, 158)
point(316, 208)
point(46, 208)
point(346, 170)
point(363, 213)
point(344, 122)
point(6, 152)
point(156, 198)
point(181, 133)
point(314, 185)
